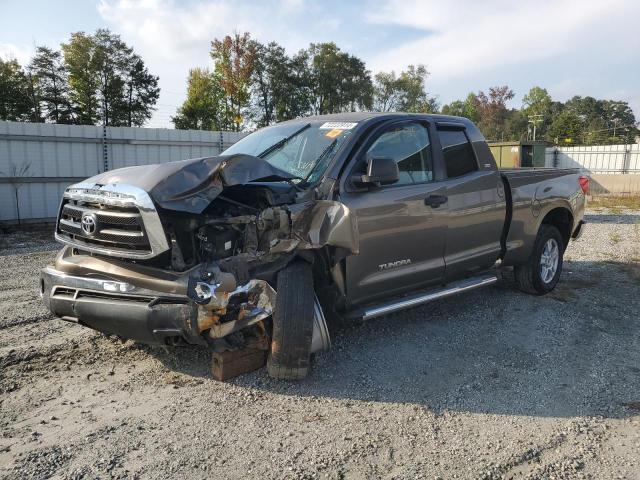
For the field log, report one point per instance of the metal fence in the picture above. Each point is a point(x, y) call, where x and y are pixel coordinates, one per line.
point(38, 161)
point(613, 169)
point(596, 159)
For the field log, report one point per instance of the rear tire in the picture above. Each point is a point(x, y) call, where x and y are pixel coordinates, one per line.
point(542, 271)
point(290, 355)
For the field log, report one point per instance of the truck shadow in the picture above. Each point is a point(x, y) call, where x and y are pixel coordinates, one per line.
point(498, 351)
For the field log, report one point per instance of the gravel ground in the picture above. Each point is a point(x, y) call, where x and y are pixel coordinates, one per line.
point(493, 384)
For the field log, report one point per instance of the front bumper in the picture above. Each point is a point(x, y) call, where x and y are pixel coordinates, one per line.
point(118, 308)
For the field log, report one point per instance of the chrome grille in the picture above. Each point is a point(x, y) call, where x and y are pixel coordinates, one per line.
point(115, 229)
point(116, 224)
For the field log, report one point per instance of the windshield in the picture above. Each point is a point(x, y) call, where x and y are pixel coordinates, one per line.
point(303, 149)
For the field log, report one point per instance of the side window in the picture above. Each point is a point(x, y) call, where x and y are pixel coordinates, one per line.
point(410, 147)
point(459, 158)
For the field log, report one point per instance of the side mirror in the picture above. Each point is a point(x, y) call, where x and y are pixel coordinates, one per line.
point(381, 171)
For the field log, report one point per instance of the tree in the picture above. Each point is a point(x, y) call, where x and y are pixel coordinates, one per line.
point(538, 107)
point(566, 128)
point(81, 64)
point(463, 108)
point(603, 121)
point(414, 97)
point(339, 82)
point(234, 59)
point(279, 87)
point(142, 92)
point(493, 112)
point(50, 73)
point(406, 93)
point(202, 109)
point(16, 92)
point(108, 82)
point(387, 95)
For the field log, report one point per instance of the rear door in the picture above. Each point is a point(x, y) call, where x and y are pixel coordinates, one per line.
point(476, 206)
point(401, 236)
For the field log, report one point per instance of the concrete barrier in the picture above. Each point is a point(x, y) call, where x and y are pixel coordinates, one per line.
point(621, 184)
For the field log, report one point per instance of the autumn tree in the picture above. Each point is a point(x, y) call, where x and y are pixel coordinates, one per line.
point(234, 59)
point(493, 112)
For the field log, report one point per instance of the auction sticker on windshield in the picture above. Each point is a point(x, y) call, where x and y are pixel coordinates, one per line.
point(333, 133)
point(337, 126)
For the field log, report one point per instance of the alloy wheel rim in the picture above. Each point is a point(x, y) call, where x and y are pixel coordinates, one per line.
point(549, 260)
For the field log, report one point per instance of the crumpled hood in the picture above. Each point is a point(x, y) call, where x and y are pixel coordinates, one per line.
point(191, 185)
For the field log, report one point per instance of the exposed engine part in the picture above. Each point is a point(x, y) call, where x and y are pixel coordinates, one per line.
point(228, 312)
point(177, 259)
point(217, 241)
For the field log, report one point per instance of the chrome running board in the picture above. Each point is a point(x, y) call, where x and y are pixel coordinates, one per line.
point(418, 299)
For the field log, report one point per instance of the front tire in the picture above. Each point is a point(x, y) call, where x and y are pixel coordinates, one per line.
point(542, 271)
point(290, 355)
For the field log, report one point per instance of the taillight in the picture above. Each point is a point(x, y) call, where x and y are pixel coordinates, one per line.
point(584, 183)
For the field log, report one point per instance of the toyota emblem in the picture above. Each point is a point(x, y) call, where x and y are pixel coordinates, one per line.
point(89, 223)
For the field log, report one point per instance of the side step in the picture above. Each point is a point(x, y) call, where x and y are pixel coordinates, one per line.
point(425, 297)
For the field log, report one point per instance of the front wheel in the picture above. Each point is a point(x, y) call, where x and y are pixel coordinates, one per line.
point(542, 272)
point(290, 355)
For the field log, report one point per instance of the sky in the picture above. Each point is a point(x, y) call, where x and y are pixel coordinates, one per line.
point(577, 47)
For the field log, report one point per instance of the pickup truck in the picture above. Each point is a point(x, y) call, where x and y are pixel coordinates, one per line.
point(339, 217)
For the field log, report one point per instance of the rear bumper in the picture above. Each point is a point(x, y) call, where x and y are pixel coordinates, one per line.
point(120, 308)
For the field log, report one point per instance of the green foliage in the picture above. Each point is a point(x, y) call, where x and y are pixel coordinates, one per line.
point(405, 93)
point(82, 65)
point(202, 109)
point(463, 108)
point(261, 84)
point(280, 85)
point(49, 72)
point(339, 82)
point(567, 128)
point(579, 121)
point(141, 90)
point(537, 107)
point(16, 93)
point(108, 82)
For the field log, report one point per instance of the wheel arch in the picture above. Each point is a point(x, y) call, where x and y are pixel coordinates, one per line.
point(561, 218)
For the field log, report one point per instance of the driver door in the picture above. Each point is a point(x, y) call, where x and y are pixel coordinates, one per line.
point(402, 236)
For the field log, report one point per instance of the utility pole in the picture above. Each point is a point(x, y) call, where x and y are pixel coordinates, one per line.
point(535, 119)
point(615, 125)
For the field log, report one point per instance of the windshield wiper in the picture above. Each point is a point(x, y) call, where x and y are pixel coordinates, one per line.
point(281, 143)
point(316, 162)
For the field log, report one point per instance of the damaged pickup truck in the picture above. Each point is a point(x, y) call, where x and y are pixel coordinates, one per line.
point(348, 216)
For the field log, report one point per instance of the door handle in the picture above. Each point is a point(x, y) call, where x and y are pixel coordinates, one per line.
point(434, 201)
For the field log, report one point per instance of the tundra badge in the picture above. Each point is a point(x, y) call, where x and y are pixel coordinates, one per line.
point(397, 263)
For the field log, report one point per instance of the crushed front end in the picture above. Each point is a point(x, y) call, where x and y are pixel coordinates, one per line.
point(189, 265)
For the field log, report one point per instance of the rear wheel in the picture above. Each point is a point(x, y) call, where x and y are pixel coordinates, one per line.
point(290, 355)
point(542, 272)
